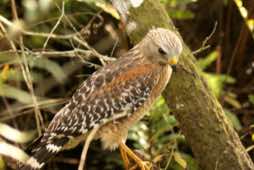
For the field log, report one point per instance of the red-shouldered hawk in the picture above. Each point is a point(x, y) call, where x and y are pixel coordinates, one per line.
point(113, 98)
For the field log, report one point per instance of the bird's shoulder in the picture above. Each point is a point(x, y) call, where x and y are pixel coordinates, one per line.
point(118, 73)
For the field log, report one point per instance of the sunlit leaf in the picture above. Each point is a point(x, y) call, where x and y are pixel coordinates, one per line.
point(250, 23)
point(217, 82)
point(37, 62)
point(107, 7)
point(15, 135)
point(191, 162)
point(203, 63)
point(139, 135)
point(15, 93)
point(242, 9)
point(16, 75)
point(233, 119)
point(231, 99)
point(179, 159)
point(181, 14)
point(13, 152)
point(4, 73)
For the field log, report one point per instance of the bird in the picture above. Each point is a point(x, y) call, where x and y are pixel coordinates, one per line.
point(112, 100)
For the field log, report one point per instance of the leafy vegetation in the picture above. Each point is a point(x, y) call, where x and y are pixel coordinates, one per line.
point(63, 42)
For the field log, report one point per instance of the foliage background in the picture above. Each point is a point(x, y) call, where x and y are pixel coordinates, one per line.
point(65, 41)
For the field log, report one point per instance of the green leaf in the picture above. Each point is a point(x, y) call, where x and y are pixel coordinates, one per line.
point(8, 58)
point(231, 99)
point(16, 75)
point(38, 62)
point(203, 63)
point(251, 98)
point(158, 109)
point(217, 82)
point(181, 14)
point(180, 160)
point(138, 133)
point(49, 65)
point(192, 164)
point(233, 119)
point(15, 135)
point(15, 93)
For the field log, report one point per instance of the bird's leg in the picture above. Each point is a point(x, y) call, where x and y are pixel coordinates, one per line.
point(142, 164)
point(125, 158)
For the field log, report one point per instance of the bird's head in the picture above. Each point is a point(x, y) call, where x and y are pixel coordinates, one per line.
point(162, 46)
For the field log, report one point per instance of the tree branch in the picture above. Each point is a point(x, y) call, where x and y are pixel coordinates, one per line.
point(214, 142)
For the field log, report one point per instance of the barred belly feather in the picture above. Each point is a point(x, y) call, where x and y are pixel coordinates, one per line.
point(115, 132)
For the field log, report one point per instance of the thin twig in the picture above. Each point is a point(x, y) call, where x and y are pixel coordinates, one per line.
point(54, 36)
point(12, 44)
point(91, 135)
point(26, 74)
point(55, 26)
point(77, 37)
point(204, 45)
point(10, 111)
point(89, 48)
point(89, 139)
point(85, 54)
point(172, 151)
point(39, 34)
point(28, 108)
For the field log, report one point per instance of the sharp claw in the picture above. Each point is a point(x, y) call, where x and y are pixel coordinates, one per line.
point(125, 152)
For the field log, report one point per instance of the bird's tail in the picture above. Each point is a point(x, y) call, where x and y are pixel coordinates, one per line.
point(36, 161)
point(48, 147)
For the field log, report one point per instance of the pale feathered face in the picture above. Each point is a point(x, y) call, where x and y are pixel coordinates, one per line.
point(162, 46)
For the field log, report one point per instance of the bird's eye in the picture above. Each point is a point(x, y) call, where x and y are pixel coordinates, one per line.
point(162, 52)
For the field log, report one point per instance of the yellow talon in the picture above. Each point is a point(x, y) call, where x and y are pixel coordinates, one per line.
point(125, 152)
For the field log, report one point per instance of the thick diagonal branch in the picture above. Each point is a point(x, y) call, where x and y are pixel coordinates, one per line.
point(214, 142)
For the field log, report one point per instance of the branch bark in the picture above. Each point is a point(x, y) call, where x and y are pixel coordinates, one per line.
point(214, 142)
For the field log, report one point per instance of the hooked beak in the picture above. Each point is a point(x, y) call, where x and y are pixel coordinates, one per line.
point(173, 60)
